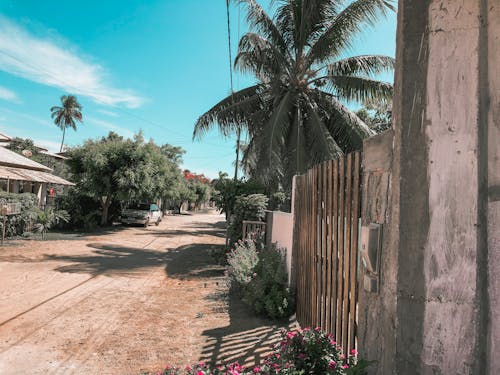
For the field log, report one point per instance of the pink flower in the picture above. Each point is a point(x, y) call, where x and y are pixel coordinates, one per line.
point(317, 329)
point(354, 352)
point(291, 335)
point(345, 367)
point(200, 373)
point(332, 364)
point(256, 369)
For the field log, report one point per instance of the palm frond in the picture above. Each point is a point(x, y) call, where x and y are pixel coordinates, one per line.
point(346, 127)
point(339, 35)
point(260, 21)
point(230, 112)
point(366, 65)
point(359, 89)
point(272, 140)
point(321, 143)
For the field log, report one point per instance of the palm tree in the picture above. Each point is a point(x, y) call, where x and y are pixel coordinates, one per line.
point(65, 116)
point(295, 114)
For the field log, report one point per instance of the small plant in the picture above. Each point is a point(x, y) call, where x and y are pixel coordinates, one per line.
point(241, 262)
point(45, 220)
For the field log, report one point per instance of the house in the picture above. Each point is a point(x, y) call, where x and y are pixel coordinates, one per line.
point(19, 174)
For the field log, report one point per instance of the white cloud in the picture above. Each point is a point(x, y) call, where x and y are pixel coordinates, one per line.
point(50, 62)
point(107, 113)
point(9, 95)
point(109, 126)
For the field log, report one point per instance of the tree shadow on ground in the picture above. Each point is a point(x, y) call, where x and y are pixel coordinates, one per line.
point(198, 229)
point(248, 339)
point(110, 260)
point(193, 261)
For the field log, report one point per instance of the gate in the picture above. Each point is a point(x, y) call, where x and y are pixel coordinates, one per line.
point(327, 217)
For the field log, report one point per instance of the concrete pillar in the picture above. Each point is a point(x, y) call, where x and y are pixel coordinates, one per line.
point(445, 180)
point(377, 310)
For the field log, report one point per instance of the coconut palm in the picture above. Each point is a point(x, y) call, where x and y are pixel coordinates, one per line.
point(67, 115)
point(296, 113)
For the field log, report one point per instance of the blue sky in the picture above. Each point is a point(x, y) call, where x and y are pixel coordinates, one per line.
point(153, 65)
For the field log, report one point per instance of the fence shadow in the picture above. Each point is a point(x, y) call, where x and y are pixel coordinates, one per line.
point(247, 339)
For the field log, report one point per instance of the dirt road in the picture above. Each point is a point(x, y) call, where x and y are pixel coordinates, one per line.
point(123, 302)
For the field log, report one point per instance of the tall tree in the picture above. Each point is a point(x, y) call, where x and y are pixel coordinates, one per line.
point(295, 114)
point(66, 115)
point(112, 169)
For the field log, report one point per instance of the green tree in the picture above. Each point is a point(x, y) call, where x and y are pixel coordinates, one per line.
point(67, 114)
point(295, 114)
point(377, 115)
point(226, 190)
point(113, 169)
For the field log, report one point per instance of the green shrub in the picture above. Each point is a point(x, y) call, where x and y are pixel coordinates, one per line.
point(18, 224)
point(241, 263)
point(45, 220)
point(85, 211)
point(268, 291)
point(247, 207)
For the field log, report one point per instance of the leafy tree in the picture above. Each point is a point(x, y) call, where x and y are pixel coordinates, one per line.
point(183, 192)
point(377, 115)
point(67, 115)
point(116, 169)
point(294, 114)
point(226, 190)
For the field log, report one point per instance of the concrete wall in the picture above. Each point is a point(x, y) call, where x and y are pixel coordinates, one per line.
point(444, 199)
point(377, 311)
point(493, 137)
point(280, 230)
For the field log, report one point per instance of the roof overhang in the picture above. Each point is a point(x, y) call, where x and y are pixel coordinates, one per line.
point(31, 175)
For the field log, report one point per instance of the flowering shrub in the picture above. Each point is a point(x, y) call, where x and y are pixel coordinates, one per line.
point(307, 352)
point(241, 262)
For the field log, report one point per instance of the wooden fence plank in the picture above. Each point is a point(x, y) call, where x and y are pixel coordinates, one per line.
point(347, 247)
point(355, 214)
point(340, 235)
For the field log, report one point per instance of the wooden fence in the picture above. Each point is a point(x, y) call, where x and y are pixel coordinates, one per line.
point(254, 229)
point(327, 216)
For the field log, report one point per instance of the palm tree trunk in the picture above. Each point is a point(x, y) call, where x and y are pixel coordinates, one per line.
point(62, 142)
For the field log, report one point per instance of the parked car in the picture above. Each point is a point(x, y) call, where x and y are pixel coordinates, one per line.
point(142, 213)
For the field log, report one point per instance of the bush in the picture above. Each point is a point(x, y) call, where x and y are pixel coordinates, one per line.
point(307, 352)
point(313, 352)
point(247, 207)
point(241, 263)
point(268, 291)
point(18, 224)
point(260, 274)
point(85, 211)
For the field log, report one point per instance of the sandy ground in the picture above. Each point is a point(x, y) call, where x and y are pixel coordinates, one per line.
point(125, 301)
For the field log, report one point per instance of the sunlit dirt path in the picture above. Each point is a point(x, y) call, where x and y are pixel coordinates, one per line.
point(123, 302)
